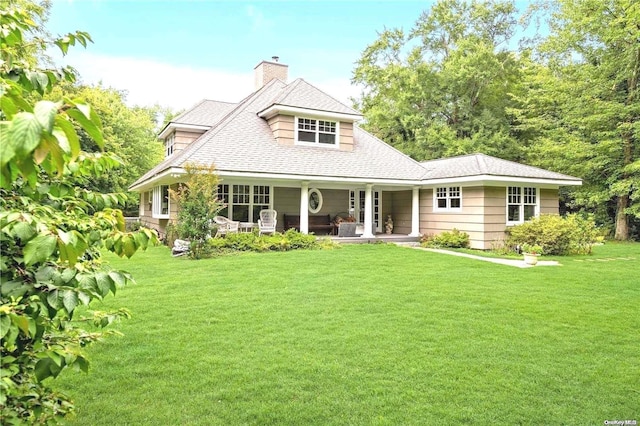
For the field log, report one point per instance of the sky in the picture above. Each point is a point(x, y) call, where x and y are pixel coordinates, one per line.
point(175, 53)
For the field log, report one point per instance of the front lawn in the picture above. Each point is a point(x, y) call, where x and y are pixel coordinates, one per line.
point(368, 334)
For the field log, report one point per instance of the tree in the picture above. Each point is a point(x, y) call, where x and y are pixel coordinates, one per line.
point(198, 204)
point(129, 132)
point(583, 114)
point(51, 229)
point(443, 89)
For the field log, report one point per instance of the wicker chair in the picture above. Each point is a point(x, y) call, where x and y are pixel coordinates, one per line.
point(225, 226)
point(267, 222)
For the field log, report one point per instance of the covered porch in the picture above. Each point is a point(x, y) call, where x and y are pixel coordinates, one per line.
point(318, 206)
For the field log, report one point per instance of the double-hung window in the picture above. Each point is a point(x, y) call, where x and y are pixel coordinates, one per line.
point(447, 198)
point(161, 202)
point(522, 204)
point(321, 132)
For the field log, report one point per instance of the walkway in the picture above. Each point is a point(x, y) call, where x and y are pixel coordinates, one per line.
point(508, 262)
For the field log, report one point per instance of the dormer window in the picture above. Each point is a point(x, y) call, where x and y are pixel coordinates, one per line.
point(168, 144)
point(312, 131)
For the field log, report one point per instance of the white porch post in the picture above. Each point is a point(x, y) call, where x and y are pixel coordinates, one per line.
point(304, 208)
point(368, 212)
point(415, 212)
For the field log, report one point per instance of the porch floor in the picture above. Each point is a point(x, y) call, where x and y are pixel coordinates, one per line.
point(379, 238)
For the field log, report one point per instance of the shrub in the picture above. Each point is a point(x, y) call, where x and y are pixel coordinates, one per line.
point(452, 239)
point(289, 240)
point(557, 235)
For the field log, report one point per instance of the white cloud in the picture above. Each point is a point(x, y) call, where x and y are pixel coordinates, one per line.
point(149, 82)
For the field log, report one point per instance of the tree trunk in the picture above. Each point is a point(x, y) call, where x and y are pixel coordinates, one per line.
point(622, 220)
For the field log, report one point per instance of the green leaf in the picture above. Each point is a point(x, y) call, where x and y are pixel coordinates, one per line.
point(69, 300)
point(70, 133)
point(129, 245)
point(104, 283)
point(118, 278)
point(7, 148)
point(45, 112)
point(5, 323)
point(8, 107)
point(88, 125)
point(53, 299)
point(42, 369)
point(23, 231)
point(24, 133)
point(21, 322)
point(39, 249)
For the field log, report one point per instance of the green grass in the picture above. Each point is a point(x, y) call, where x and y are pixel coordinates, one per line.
point(370, 334)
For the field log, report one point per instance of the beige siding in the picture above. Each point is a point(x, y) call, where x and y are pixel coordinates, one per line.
point(183, 138)
point(282, 127)
point(470, 219)
point(401, 210)
point(549, 203)
point(346, 136)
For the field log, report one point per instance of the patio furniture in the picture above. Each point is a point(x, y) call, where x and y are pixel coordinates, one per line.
point(246, 226)
point(347, 229)
point(225, 226)
point(267, 222)
point(316, 223)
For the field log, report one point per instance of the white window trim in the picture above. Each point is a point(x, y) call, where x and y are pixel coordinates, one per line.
point(169, 145)
point(157, 203)
point(521, 204)
point(319, 206)
point(251, 204)
point(447, 209)
point(317, 144)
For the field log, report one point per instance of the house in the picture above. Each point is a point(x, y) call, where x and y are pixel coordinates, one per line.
point(293, 148)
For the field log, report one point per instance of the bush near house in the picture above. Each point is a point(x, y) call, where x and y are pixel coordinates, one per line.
point(573, 234)
point(452, 239)
point(289, 240)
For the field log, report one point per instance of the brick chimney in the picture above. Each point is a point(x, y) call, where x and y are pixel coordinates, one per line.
point(266, 71)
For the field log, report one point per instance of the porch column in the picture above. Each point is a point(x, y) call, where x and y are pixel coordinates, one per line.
point(415, 212)
point(368, 212)
point(304, 208)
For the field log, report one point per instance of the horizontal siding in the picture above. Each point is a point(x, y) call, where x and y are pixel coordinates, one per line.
point(549, 203)
point(346, 136)
point(400, 210)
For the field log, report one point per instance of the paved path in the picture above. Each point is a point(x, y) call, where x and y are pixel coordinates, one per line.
point(508, 262)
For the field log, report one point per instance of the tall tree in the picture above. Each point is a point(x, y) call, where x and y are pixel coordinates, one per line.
point(585, 109)
point(128, 131)
point(443, 88)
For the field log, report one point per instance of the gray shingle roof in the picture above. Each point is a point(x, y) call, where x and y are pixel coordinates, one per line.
point(301, 94)
point(205, 113)
point(244, 142)
point(481, 164)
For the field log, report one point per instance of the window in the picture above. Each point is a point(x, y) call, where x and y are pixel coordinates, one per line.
point(244, 202)
point(169, 144)
point(149, 201)
point(315, 200)
point(309, 130)
point(161, 202)
point(448, 198)
point(522, 204)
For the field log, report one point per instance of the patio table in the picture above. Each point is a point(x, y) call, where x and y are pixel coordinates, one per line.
point(246, 226)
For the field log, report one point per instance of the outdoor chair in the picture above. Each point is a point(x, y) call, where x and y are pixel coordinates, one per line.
point(225, 226)
point(267, 222)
